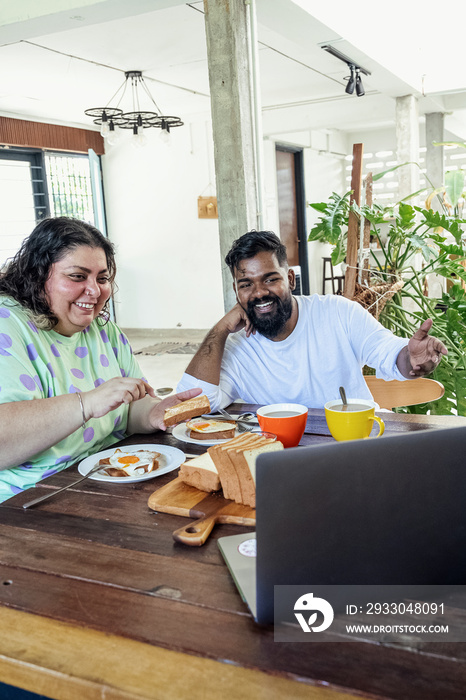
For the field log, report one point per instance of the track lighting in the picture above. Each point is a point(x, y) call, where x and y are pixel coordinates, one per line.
point(354, 80)
point(359, 86)
point(350, 84)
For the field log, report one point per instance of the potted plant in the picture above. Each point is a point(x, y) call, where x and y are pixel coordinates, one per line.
point(405, 233)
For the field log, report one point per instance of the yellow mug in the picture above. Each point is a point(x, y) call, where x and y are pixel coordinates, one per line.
point(355, 422)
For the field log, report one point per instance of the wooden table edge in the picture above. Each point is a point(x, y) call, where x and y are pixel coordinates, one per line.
point(67, 662)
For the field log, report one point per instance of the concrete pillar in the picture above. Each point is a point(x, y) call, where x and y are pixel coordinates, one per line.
point(434, 154)
point(230, 54)
point(407, 143)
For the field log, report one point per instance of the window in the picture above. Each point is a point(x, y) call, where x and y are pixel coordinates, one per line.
point(23, 197)
point(69, 186)
point(35, 184)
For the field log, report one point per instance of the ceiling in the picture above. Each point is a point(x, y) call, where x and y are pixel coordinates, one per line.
point(61, 62)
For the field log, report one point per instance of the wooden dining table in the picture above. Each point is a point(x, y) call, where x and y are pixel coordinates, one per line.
point(97, 600)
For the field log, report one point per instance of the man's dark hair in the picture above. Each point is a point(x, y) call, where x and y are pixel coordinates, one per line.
point(252, 243)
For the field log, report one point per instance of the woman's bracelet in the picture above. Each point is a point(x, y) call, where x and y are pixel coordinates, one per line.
point(82, 409)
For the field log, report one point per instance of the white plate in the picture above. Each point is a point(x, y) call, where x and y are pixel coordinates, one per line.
point(181, 432)
point(171, 458)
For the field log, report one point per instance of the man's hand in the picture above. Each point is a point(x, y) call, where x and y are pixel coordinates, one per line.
point(424, 351)
point(235, 320)
point(207, 361)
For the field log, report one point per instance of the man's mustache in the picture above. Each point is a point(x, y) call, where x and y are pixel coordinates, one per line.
point(264, 300)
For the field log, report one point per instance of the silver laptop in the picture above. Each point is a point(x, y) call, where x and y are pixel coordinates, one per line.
point(388, 511)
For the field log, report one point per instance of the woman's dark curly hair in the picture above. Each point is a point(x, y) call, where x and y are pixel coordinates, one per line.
point(23, 277)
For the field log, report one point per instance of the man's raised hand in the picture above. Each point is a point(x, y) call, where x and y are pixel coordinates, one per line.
point(425, 351)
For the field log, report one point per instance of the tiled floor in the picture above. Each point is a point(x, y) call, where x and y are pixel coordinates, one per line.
point(164, 369)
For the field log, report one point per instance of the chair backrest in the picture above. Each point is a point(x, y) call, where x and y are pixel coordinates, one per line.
point(394, 394)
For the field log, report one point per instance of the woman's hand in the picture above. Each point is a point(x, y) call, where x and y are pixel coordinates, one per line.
point(113, 393)
point(157, 411)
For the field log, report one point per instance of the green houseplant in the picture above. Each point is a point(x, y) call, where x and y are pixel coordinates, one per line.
point(404, 234)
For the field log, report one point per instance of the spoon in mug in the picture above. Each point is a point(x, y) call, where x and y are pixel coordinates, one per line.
point(343, 398)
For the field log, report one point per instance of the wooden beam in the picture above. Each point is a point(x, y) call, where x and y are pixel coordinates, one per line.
point(367, 230)
point(353, 223)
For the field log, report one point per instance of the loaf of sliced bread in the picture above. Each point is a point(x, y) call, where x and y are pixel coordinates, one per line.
point(246, 468)
point(201, 473)
point(231, 466)
point(225, 468)
point(235, 462)
point(238, 464)
point(202, 429)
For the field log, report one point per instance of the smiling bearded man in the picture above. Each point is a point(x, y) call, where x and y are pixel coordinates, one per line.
point(275, 347)
point(270, 321)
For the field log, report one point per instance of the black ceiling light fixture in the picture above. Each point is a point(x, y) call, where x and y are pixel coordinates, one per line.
point(351, 82)
point(138, 118)
point(359, 86)
point(354, 79)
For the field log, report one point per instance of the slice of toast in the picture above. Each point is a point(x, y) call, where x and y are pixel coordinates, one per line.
point(241, 468)
point(247, 468)
point(229, 476)
point(226, 456)
point(225, 469)
point(186, 409)
point(201, 473)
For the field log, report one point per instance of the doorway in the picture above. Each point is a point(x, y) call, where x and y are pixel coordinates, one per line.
point(291, 210)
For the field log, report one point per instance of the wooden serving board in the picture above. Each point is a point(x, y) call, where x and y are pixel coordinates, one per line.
point(177, 498)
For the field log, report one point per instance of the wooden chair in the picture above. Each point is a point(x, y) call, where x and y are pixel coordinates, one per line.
point(394, 394)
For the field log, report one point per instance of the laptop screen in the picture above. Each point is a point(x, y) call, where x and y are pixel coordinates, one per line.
point(368, 512)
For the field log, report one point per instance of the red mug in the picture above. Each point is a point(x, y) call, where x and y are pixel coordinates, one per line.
point(285, 420)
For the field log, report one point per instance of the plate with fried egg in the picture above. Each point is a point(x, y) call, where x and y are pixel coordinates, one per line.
point(209, 431)
point(133, 463)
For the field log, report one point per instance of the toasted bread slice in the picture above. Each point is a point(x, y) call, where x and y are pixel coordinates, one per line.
point(247, 460)
point(241, 468)
point(206, 429)
point(124, 464)
point(229, 471)
point(186, 409)
point(226, 471)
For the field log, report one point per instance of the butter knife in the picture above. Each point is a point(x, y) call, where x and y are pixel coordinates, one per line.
point(97, 468)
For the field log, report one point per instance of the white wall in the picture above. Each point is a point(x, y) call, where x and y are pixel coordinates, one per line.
point(324, 169)
point(323, 174)
point(271, 215)
point(169, 268)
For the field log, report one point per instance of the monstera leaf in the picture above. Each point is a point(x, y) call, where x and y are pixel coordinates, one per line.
point(334, 216)
point(454, 186)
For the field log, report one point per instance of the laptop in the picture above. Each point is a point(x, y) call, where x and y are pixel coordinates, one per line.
point(388, 511)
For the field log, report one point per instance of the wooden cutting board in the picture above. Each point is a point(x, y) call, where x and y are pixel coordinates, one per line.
point(177, 498)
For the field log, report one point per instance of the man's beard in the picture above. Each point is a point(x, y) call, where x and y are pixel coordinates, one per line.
point(270, 325)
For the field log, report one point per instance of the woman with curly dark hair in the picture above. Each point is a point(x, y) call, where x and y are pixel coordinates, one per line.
point(69, 384)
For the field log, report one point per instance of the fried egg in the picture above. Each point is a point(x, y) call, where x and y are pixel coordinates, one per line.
point(131, 463)
point(209, 426)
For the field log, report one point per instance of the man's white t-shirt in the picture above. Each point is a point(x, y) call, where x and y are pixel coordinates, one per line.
point(333, 339)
